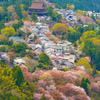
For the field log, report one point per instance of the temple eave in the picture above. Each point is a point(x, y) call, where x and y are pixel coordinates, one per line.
point(36, 8)
point(39, 12)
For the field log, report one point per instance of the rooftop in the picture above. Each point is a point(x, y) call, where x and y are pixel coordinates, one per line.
point(16, 39)
point(37, 5)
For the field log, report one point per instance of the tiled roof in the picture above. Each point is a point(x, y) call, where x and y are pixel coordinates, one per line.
point(37, 5)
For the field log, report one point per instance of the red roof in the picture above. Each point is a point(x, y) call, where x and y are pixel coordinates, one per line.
point(58, 35)
point(26, 21)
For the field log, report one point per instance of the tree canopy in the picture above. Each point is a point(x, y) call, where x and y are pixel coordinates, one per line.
point(45, 60)
point(9, 31)
point(60, 28)
point(34, 16)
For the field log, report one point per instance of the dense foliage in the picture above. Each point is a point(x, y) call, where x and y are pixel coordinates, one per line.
point(53, 14)
point(44, 61)
point(93, 51)
point(13, 85)
point(80, 4)
point(12, 2)
point(66, 33)
point(8, 31)
point(19, 48)
point(34, 16)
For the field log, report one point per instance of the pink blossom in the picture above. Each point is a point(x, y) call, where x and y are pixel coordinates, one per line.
point(37, 96)
point(42, 83)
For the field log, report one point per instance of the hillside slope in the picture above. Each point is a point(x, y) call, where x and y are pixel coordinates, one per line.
point(81, 4)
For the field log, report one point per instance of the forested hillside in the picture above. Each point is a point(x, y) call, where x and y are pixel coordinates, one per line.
point(80, 4)
point(6, 3)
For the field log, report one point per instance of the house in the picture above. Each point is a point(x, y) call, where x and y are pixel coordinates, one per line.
point(96, 14)
point(38, 47)
point(56, 9)
point(35, 30)
point(67, 64)
point(54, 68)
point(43, 42)
point(27, 22)
point(66, 45)
point(49, 51)
point(69, 11)
point(19, 61)
point(37, 52)
point(31, 36)
point(89, 13)
point(39, 24)
point(71, 17)
point(43, 27)
point(85, 25)
point(59, 49)
point(58, 35)
point(68, 57)
point(16, 39)
point(31, 45)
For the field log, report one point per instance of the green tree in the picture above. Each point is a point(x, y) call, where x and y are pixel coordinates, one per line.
point(5, 72)
point(18, 76)
point(19, 47)
point(3, 48)
point(34, 16)
point(22, 53)
point(75, 45)
point(87, 81)
point(54, 15)
point(43, 97)
point(57, 6)
point(94, 71)
point(34, 38)
point(20, 33)
point(43, 58)
point(9, 31)
point(18, 10)
point(93, 17)
point(17, 25)
point(40, 66)
point(84, 85)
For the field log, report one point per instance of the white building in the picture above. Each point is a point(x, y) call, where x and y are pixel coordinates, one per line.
point(67, 45)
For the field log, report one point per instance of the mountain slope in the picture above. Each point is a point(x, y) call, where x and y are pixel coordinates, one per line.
point(81, 4)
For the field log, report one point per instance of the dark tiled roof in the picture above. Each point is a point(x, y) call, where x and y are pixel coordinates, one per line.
point(37, 5)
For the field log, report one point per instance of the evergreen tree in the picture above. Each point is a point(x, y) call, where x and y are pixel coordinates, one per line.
point(18, 10)
point(5, 72)
point(94, 71)
point(43, 97)
point(84, 85)
point(17, 74)
point(34, 16)
point(43, 58)
point(87, 81)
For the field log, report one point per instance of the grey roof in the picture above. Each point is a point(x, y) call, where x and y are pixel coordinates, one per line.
point(16, 39)
point(68, 63)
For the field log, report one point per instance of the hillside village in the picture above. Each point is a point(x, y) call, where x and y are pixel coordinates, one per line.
point(49, 53)
point(56, 51)
point(59, 52)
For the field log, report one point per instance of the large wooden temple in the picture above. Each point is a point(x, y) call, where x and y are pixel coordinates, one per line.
point(38, 8)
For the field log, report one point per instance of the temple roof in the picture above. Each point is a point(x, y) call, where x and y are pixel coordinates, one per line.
point(37, 5)
point(44, 12)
